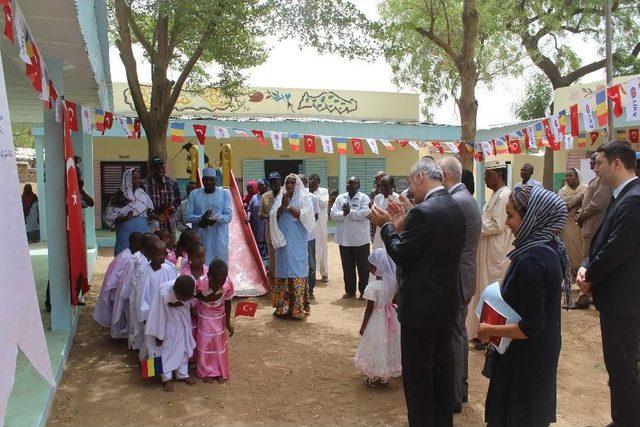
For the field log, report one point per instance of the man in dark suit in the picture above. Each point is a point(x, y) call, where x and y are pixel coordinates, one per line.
point(611, 273)
point(426, 244)
point(452, 170)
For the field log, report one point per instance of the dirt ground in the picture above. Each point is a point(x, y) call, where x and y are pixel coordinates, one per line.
point(294, 373)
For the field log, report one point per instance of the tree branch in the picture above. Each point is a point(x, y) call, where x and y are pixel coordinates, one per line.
point(137, 32)
point(636, 50)
point(438, 42)
point(129, 60)
point(583, 71)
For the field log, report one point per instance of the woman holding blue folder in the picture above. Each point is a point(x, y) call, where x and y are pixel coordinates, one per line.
point(522, 388)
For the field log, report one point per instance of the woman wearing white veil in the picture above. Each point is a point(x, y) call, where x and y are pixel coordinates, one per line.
point(290, 221)
point(572, 194)
point(128, 210)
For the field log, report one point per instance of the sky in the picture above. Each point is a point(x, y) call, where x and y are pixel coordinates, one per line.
point(327, 71)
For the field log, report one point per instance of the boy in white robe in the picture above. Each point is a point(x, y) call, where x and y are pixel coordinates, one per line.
point(112, 280)
point(134, 281)
point(146, 286)
point(168, 329)
point(120, 314)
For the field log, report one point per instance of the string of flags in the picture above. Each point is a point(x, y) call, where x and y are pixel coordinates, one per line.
point(551, 132)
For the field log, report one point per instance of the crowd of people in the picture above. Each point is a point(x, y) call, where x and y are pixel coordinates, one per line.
point(421, 260)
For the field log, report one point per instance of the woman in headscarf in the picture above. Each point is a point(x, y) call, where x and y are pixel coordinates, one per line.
point(258, 225)
point(522, 388)
point(252, 190)
point(128, 210)
point(572, 194)
point(30, 211)
point(290, 221)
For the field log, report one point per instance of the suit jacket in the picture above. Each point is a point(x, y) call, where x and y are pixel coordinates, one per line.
point(467, 266)
point(594, 205)
point(613, 266)
point(428, 252)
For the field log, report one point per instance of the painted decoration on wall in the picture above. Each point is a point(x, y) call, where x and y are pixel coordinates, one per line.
point(328, 101)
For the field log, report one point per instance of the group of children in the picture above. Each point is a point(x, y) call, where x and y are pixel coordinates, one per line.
point(167, 303)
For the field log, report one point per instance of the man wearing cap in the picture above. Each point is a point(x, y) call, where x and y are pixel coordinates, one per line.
point(209, 212)
point(275, 183)
point(164, 194)
point(495, 240)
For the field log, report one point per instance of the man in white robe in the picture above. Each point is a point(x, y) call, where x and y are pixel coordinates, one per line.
point(168, 329)
point(120, 314)
point(322, 252)
point(495, 241)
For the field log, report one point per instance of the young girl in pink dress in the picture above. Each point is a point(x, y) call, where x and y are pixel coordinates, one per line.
point(214, 320)
point(168, 239)
point(195, 268)
point(186, 239)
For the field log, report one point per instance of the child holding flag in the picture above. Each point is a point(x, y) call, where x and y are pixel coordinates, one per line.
point(168, 329)
point(214, 321)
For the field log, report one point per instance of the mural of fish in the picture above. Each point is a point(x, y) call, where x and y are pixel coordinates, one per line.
point(328, 101)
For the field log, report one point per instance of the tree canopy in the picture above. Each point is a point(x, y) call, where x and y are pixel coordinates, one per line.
point(536, 100)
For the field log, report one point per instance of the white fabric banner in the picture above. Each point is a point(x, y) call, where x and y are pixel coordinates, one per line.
point(568, 142)
point(57, 106)
point(125, 128)
point(20, 35)
point(633, 99)
point(87, 119)
point(276, 140)
point(452, 147)
point(20, 321)
point(587, 116)
point(220, 132)
point(327, 144)
point(373, 145)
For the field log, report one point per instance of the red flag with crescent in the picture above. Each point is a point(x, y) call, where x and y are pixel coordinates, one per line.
point(633, 136)
point(548, 133)
point(107, 122)
point(246, 308)
point(78, 275)
point(309, 144)
point(71, 115)
point(614, 95)
point(201, 133)
point(438, 146)
point(594, 137)
point(137, 128)
point(8, 20)
point(358, 148)
point(259, 137)
point(514, 146)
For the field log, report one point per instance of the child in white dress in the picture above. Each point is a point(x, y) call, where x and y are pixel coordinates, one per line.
point(378, 355)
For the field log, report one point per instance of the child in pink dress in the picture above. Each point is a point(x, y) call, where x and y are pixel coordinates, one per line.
point(195, 268)
point(214, 320)
point(168, 239)
point(186, 239)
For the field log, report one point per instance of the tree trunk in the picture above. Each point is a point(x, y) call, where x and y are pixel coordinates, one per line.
point(468, 107)
point(547, 174)
point(156, 138)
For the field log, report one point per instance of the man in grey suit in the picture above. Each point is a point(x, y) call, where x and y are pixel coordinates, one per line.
point(452, 170)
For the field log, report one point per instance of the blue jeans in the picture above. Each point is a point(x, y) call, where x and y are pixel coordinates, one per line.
point(312, 264)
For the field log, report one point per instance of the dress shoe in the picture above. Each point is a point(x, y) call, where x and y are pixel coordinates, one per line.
point(345, 296)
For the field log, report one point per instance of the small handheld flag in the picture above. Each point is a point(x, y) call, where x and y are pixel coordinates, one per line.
point(151, 367)
point(246, 308)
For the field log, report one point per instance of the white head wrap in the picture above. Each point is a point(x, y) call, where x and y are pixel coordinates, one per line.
point(300, 200)
point(385, 268)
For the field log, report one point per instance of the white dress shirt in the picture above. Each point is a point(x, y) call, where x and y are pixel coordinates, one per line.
point(353, 229)
point(620, 187)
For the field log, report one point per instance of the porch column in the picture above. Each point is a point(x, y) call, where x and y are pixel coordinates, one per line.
point(342, 173)
point(42, 191)
point(87, 175)
point(58, 254)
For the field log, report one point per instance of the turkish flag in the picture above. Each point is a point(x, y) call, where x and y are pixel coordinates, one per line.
point(107, 122)
point(575, 122)
point(71, 115)
point(437, 146)
point(34, 70)
point(246, 308)
point(633, 135)
point(78, 275)
point(478, 155)
point(594, 137)
point(614, 95)
point(201, 133)
point(514, 146)
point(259, 137)
point(549, 134)
point(403, 142)
point(8, 22)
point(137, 128)
point(358, 148)
point(309, 144)
point(555, 145)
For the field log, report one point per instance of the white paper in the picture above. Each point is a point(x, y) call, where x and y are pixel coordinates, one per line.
point(492, 295)
point(86, 119)
point(276, 140)
point(327, 144)
point(373, 145)
point(20, 321)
